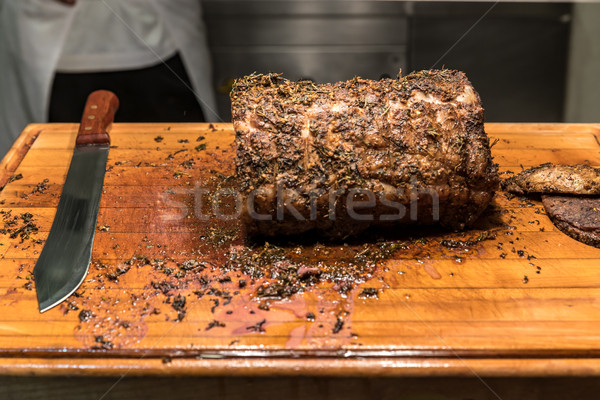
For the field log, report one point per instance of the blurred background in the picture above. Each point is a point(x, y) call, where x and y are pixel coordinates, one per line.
point(529, 61)
point(175, 60)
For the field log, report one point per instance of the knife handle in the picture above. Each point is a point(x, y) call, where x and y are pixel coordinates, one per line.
point(97, 118)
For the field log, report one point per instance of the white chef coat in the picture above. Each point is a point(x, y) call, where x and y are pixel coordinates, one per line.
point(137, 38)
point(33, 34)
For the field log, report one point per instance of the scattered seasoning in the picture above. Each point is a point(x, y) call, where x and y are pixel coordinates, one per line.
point(158, 139)
point(192, 264)
point(85, 315)
point(215, 305)
point(164, 287)
point(41, 187)
point(179, 303)
point(339, 324)
point(188, 164)
point(258, 327)
point(369, 292)
point(453, 243)
point(214, 324)
point(288, 272)
point(310, 316)
point(525, 279)
point(120, 270)
point(201, 146)
point(24, 231)
point(183, 141)
point(104, 344)
point(15, 178)
point(200, 138)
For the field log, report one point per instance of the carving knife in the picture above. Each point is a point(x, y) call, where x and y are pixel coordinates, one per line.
point(65, 258)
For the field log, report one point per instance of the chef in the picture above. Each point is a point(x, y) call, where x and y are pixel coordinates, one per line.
point(53, 53)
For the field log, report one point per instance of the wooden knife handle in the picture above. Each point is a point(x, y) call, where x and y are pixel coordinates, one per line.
point(97, 118)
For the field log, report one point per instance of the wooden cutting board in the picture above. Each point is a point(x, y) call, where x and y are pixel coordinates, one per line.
point(169, 292)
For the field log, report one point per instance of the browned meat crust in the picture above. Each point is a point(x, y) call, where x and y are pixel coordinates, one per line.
point(401, 139)
point(576, 216)
point(559, 179)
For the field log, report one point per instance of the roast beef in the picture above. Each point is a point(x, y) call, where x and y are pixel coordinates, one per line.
point(555, 179)
point(338, 158)
point(578, 217)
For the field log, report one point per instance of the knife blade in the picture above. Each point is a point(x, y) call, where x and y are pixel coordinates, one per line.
point(65, 258)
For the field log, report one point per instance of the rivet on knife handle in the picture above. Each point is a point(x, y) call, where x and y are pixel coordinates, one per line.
point(98, 116)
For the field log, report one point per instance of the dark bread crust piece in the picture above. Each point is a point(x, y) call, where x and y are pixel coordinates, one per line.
point(578, 217)
point(420, 134)
point(556, 179)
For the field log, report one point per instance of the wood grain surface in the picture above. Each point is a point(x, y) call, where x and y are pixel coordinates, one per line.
point(165, 295)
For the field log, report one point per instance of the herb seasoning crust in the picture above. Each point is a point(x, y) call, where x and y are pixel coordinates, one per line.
point(303, 148)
